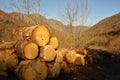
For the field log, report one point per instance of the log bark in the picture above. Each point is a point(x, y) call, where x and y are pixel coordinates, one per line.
point(8, 60)
point(23, 33)
point(65, 67)
point(27, 50)
point(32, 70)
point(38, 34)
point(53, 69)
point(47, 53)
point(54, 42)
point(59, 56)
point(7, 45)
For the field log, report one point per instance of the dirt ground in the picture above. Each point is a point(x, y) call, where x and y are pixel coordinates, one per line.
point(102, 68)
point(105, 71)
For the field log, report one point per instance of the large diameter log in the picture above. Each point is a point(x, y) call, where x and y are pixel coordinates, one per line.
point(47, 53)
point(53, 69)
point(40, 35)
point(32, 70)
point(59, 56)
point(27, 50)
point(54, 42)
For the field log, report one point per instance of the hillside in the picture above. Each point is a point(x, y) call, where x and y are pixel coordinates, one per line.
point(10, 21)
point(105, 34)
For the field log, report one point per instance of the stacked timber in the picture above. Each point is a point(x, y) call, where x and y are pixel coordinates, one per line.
point(28, 50)
point(32, 70)
point(47, 53)
point(54, 42)
point(34, 55)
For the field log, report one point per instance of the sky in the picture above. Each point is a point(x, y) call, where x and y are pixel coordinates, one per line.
point(98, 9)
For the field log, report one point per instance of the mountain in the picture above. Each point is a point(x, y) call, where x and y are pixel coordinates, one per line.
point(105, 34)
point(106, 25)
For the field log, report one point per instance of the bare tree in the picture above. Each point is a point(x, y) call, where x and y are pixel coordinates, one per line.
point(38, 6)
point(26, 6)
point(75, 11)
point(83, 12)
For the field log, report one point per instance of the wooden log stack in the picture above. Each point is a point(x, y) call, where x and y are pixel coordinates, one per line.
point(34, 55)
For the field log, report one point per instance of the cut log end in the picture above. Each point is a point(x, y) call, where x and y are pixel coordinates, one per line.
point(27, 50)
point(59, 57)
point(40, 35)
point(31, 51)
point(54, 42)
point(47, 53)
point(70, 56)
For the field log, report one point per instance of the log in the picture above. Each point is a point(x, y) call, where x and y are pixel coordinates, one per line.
point(59, 56)
point(40, 35)
point(81, 51)
point(32, 70)
point(7, 45)
point(85, 52)
point(74, 58)
point(79, 60)
point(53, 70)
point(65, 67)
point(70, 57)
point(11, 60)
point(47, 53)
point(3, 64)
point(23, 33)
point(8, 60)
point(27, 50)
point(54, 42)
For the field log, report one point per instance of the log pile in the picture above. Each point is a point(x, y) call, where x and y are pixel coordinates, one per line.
point(35, 55)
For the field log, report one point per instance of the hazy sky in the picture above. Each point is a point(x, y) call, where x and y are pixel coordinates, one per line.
point(99, 9)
